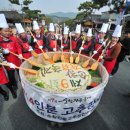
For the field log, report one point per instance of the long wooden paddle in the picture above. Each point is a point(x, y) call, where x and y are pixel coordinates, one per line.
point(95, 64)
point(44, 54)
point(78, 57)
point(31, 71)
point(85, 64)
point(55, 55)
point(34, 54)
point(31, 62)
point(62, 55)
point(71, 57)
point(32, 51)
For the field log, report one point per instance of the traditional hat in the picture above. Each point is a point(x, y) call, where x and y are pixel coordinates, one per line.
point(51, 27)
point(35, 25)
point(89, 33)
point(3, 22)
point(43, 22)
point(104, 28)
point(19, 28)
point(66, 30)
point(78, 28)
point(117, 31)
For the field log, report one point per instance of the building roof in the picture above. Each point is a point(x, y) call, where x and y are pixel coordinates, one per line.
point(11, 15)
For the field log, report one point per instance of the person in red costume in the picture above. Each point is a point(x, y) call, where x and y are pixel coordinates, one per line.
point(51, 39)
point(76, 40)
point(113, 50)
point(89, 43)
point(39, 38)
point(100, 38)
point(4, 78)
point(9, 45)
point(65, 40)
point(23, 41)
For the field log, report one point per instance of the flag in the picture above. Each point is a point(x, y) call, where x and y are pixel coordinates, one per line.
point(121, 15)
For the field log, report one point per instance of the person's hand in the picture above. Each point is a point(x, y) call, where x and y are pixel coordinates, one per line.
point(5, 51)
point(62, 47)
point(30, 49)
point(60, 38)
point(95, 52)
point(20, 56)
point(12, 66)
point(104, 43)
point(5, 62)
point(101, 57)
point(54, 49)
point(81, 48)
point(70, 34)
point(56, 36)
point(71, 52)
point(40, 47)
point(35, 40)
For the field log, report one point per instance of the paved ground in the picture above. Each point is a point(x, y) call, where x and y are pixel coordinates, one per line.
point(112, 113)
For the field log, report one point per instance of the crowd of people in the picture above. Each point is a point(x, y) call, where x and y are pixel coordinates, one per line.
point(110, 51)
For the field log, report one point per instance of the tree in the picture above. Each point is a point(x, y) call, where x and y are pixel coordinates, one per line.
point(14, 2)
point(48, 20)
point(87, 8)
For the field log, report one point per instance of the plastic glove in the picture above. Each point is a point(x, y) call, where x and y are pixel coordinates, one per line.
point(20, 56)
point(54, 49)
point(60, 38)
point(40, 47)
point(101, 57)
point(71, 52)
point(95, 52)
point(100, 40)
point(104, 43)
point(12, 66)
point(70, 34)
point(5, 51)
point(5, 62)
point(62, 47)
point(83, 42)
point(81, 48)
point(30, 49)
point(56, 37)
point(35, 40)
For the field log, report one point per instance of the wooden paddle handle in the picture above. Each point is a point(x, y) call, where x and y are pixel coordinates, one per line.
point(34, 38)
point(30, 32)
point(71, 45)
point(7, 65)
point(98, 49)
point(32, 35)
point(102, 44)
point(80, 47)
point(17, 55)
point(103, 51)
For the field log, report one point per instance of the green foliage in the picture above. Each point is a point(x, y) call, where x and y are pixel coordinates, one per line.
point(48, 20)
point(27, 2)
point(14, 2)
point(101, 3)
point(69, 22)
point(34, 14)
point(87, 8)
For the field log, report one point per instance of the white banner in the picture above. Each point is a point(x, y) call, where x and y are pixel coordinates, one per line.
point(61, 107)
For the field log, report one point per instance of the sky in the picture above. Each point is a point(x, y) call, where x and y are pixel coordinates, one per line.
point(48, 6)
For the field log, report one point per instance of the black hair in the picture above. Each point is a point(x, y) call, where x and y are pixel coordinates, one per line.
point(126, 32)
